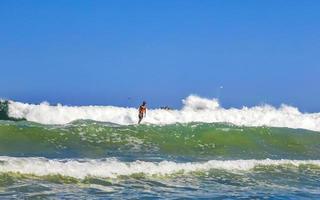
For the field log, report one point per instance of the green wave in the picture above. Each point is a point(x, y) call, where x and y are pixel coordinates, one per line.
point(93, 139)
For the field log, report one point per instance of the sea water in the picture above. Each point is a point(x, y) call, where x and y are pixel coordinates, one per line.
point(200, 151)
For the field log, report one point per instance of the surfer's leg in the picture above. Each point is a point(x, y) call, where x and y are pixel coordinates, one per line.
point(140, 118)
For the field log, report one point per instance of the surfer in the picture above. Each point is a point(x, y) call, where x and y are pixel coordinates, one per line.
point(142, 111)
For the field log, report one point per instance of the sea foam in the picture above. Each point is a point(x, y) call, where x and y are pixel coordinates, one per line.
point(112, 168)
point(195, 109)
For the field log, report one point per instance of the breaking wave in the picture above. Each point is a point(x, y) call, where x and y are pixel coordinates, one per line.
point(195, 109)
point(113, 168)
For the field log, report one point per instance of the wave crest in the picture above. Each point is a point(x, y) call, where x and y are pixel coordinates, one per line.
point(196, 109)
point(112, 168)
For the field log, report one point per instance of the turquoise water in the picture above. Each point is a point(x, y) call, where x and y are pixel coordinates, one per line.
point(94, 160)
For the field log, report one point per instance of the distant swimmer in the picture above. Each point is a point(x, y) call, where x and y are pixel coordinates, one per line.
point(142, 111)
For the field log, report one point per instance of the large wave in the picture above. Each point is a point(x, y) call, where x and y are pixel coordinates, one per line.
point(195, 109)
point(197, 140)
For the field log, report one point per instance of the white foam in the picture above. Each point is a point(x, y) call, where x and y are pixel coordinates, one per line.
point(112, 168)
point(195, 109)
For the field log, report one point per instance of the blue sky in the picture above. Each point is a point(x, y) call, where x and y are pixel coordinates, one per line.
point(121, 52)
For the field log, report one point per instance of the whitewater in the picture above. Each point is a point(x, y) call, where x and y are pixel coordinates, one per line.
point(113, 168)
point(202, 150)
point(195, 109)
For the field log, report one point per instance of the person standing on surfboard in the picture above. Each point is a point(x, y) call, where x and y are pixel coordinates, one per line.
point(142, 111)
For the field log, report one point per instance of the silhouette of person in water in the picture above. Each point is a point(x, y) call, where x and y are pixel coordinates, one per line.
point(142, 111)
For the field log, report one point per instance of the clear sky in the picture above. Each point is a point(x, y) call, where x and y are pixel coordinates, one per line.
point(119, 52)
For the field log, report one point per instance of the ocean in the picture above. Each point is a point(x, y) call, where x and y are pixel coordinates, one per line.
point(201, 151)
